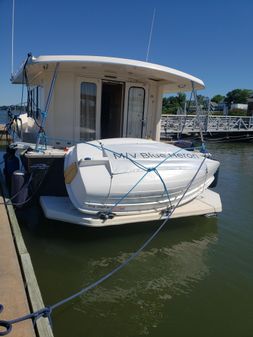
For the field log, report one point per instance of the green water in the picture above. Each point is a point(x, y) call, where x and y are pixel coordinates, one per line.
point(195, 279)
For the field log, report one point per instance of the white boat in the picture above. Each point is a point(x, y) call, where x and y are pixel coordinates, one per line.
point(127, 176)
point(95, 122)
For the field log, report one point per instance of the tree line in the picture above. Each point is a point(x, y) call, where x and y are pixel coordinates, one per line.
point(6, 107)
point(173, 104)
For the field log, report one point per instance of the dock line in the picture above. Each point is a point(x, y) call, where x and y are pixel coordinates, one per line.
point(47, 311)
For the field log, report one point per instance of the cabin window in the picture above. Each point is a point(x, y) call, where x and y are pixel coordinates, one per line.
point(135, 113)
point(88, 111)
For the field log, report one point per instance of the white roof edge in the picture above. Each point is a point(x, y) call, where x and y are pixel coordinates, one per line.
point(109, 60)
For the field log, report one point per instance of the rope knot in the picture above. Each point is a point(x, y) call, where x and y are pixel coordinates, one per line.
point(151, 169)
point(44, 312)
point(47, 312)
point(6, 326)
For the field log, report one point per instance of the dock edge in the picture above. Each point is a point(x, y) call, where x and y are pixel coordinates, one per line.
point(35, 301)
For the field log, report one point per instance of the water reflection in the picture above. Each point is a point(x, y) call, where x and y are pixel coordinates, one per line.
point(145, 287)
point(135, 299)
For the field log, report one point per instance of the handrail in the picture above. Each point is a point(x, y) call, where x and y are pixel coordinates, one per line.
point(190, 123)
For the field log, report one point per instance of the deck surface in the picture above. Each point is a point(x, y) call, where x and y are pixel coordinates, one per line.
point(12, 289)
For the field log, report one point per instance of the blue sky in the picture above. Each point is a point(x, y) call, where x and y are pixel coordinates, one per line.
point(211, 40)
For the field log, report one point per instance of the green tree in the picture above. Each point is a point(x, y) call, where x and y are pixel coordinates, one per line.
point(181, 99)
point(201, 99)
point(238, 96)
point(172, 103)
point(218, 99)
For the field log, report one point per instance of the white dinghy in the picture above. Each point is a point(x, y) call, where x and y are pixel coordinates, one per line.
point(128, 176)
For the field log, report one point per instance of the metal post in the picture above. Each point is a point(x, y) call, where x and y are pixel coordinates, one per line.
point(45, 112)
point(198, 110)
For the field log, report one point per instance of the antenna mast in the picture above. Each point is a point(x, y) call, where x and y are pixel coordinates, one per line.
point(150, 34)
point(12, 36)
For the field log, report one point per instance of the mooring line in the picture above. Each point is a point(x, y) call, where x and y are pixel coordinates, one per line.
point(47, 311)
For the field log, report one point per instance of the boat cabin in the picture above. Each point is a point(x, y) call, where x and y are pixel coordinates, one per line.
point(93, 97)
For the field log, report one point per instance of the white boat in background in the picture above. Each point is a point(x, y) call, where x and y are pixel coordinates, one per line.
point(93, 124)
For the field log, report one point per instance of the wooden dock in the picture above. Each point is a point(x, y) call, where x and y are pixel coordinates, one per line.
point(19, 290)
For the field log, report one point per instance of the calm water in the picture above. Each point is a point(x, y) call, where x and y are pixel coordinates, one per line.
point(3, 116)
point(195, 279)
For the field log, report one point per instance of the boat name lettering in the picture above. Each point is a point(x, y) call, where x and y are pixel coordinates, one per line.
point(148, 155)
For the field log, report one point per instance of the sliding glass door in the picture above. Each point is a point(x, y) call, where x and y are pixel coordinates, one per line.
point(135, 111)
point(88, 110)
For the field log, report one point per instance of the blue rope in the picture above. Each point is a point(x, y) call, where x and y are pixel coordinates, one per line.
point(139, 165)
point(152, 169)
point(102, 148)
point(47, 311)
point(164, 186)
point(125, 195)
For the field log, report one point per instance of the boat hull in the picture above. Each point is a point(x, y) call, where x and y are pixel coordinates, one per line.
point(131, 176)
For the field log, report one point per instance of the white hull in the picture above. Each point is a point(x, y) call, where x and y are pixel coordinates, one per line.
point(102, 176)
point(62, 209)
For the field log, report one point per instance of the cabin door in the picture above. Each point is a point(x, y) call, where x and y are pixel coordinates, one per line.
point(135, 110)
point(112, 109)
point(87, 120)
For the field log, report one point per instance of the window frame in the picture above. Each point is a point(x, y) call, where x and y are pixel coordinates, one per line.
point(130, 86)
point(77, 126)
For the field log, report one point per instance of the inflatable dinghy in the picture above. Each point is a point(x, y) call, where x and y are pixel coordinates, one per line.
point(127, 176)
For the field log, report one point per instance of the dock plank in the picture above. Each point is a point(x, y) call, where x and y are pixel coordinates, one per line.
point(12, 291)
point(43, 326)
point(29, 281)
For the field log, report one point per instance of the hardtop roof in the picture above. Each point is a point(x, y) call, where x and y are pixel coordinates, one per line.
point(170, 79)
